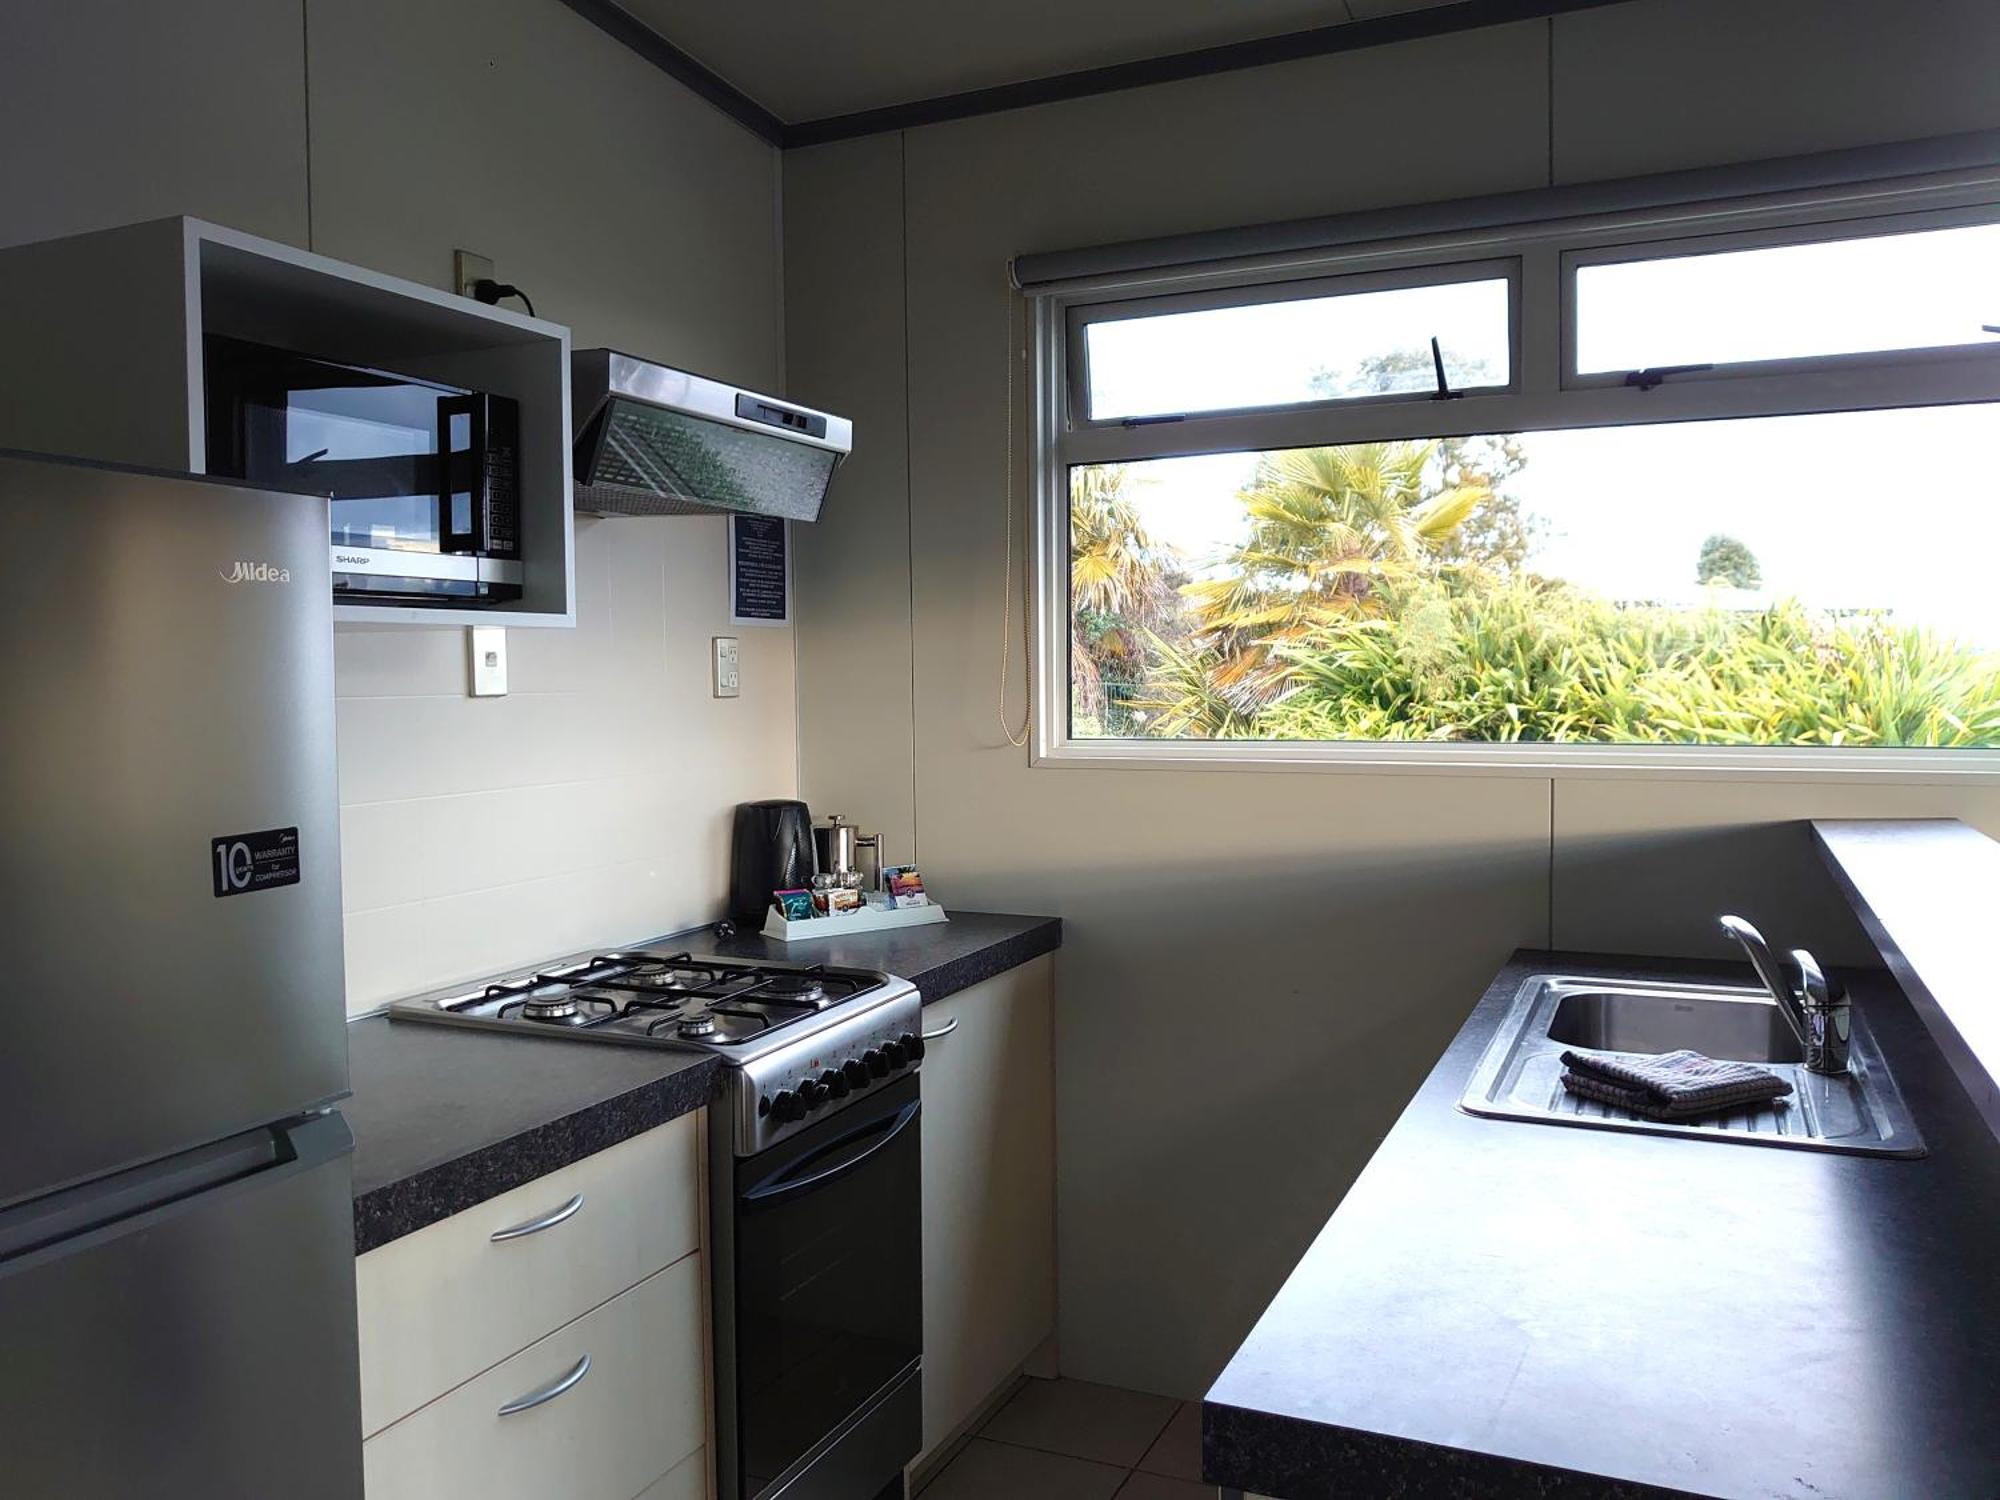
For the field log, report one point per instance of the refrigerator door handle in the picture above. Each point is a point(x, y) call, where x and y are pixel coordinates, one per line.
point(550, 1391)
point(548, 1220)
point(112, 1205)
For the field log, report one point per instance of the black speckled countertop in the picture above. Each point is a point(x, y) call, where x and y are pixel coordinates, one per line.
point(1504, 1307)
point(445, 1118)
point(939, 960)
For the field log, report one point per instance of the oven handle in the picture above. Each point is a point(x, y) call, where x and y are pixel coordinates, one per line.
point(781, 1186)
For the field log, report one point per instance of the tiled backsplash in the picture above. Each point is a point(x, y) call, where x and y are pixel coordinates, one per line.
point(590, 806)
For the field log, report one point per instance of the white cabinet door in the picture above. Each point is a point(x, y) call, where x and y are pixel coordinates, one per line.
point(620, 1403)
point(989, 1191)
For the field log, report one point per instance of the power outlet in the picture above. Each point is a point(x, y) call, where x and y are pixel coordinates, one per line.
point(728, 667)
point(486, 654)
point(467, 268)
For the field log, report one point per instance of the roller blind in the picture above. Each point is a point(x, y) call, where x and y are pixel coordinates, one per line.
point(1138, 259)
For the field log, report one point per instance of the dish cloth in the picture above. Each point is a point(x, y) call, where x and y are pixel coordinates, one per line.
point(1671, 1086)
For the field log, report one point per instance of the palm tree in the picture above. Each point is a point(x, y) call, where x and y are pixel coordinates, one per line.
point(1333, 531)
point(1119, 588)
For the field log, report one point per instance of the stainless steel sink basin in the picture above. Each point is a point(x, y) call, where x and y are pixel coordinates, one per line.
point(1744, 1024)
point(1520, 1075)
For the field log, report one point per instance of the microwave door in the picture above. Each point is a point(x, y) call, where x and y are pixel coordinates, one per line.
point(364, 479)
point(372, 446)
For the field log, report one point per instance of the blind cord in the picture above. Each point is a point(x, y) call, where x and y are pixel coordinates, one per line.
point(1007, 567)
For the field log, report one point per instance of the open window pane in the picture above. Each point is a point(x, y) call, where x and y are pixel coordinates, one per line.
point(1932, 289)
point(1793, 581)
point(1307, 349)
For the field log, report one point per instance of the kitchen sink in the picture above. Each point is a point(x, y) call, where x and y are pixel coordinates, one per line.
point(1520, 1075)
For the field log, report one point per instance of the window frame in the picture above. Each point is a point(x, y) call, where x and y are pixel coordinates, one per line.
point(1080, 317)
point(1544, 393)
point(1869, 226)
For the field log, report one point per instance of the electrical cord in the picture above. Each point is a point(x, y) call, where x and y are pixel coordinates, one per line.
point(1007, 567)
point(489, 291)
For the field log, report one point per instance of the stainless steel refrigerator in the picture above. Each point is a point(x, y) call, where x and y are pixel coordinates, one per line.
point(176, 1223)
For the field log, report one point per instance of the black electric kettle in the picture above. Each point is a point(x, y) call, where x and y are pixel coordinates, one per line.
point(772, 851)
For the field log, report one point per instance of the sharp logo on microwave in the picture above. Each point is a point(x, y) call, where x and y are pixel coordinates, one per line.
point(252, 572)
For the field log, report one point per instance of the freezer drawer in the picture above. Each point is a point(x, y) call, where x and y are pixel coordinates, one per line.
point(170, 866)
point(203, 1348)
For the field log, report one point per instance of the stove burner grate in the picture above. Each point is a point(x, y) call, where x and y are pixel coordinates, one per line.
point(687, 998)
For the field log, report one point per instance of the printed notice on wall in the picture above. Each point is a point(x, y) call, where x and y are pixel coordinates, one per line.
point(759, 571)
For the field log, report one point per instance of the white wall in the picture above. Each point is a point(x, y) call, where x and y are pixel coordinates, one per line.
point(1259, 967)
point(589, 806)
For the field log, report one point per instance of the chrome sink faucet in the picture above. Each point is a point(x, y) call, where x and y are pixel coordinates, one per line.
point(1818, 1014)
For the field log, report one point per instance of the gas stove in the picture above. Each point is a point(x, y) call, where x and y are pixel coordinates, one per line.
point(815, 1190)
point(804, 1039)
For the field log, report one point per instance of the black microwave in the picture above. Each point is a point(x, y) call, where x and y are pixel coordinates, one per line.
point(425, 478)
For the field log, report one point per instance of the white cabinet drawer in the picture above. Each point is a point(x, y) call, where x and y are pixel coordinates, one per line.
point(440, 1305)
point(635, 1414)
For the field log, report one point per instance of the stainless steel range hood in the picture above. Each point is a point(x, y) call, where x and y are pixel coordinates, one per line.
point(653, 441)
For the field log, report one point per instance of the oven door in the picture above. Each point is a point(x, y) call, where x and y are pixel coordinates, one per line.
point(828, 1298)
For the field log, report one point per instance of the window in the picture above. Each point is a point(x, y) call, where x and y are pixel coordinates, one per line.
point(1871, 294)
point(1683, 501)
point(1352, 343)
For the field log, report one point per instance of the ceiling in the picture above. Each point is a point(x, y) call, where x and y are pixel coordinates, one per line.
point(806, 60)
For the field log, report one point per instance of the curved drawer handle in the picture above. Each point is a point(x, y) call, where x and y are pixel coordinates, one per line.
point(548, 1392)
point(943, 1031)
point(536, 1226)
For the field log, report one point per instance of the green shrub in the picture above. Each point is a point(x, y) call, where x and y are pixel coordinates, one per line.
point(1530, 660)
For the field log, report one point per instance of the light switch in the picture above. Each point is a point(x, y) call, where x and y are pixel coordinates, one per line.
point(728, 667)
point(487, 647)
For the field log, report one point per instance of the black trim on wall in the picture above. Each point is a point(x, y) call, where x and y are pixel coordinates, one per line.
point(621, 25)
point(1319, 41)
point(1294, 46)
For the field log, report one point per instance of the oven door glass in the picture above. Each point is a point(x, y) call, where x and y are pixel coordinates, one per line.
point(829, 1272)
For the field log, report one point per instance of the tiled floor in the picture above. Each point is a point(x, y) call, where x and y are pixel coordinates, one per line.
point(1070, 1440)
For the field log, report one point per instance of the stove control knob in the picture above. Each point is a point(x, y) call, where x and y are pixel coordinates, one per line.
point(763, 1106)
point(834, 1082)
point(813, 1092)
point(855, 1071)
point(878, 1062)
point(913, 1044)
point(787, 1107)
point(895, 1053)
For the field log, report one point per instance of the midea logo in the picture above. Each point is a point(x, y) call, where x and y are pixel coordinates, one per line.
point(249, 572)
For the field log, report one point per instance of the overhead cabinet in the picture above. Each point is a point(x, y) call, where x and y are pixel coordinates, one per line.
point(109, 337)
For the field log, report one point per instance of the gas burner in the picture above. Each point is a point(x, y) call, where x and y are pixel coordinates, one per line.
point(699, 1025)
point(665, 976)
point(793, 989)
point(552, 1005)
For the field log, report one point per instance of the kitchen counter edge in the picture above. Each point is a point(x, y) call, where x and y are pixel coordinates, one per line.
point(1923, 889)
